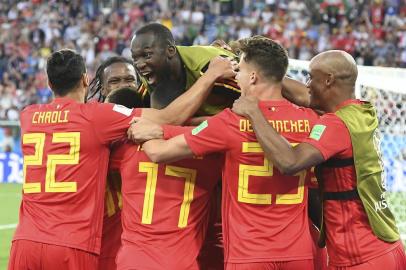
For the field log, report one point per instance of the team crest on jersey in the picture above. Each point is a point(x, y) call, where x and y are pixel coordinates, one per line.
point(317, 131)
point(200, 127)
point(122, 109)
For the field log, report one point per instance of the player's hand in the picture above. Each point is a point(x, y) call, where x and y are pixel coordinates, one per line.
point(244, 106)
point(221, 44)
point(222, 68)
point(142, 130)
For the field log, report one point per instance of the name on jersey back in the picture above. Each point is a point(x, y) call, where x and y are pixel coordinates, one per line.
point(50, 117)
point(281, 126)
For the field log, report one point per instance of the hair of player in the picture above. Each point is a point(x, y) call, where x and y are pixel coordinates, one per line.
point(161, 32)
point(127, 97)
point(96, 85)
point(65, 69)
point(270, 57)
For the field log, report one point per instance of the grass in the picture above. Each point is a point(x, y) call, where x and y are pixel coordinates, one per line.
point(10, 197)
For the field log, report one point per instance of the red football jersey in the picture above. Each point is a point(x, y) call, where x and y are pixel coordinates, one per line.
point(349, 237)
point(165, 208)
point(264, 213)
point(66, 151)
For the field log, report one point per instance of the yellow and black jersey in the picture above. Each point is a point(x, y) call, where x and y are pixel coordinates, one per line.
point(196, 60)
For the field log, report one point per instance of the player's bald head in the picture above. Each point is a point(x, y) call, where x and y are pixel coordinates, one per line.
point(339, 64)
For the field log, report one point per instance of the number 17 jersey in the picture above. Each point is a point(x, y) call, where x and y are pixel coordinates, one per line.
point(264, 213)
point(165, 208)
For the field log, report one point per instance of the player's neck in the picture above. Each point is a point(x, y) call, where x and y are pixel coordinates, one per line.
point(269, 92)
point(336, 98)
point(177, 70)
point(77, 95)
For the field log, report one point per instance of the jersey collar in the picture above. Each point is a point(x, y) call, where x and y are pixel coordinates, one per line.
point(348, 102)
point(63, 100)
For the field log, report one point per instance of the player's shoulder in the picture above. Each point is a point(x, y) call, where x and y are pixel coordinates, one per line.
point(196, 49)
point(331, 119)
point(103, 108)
point(308, 113)
point(196, 57)
point(27, 113)
point(32, 108)
point(228, 115)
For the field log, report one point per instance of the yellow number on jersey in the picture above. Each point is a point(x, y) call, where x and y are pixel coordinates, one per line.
point(245, 171)
point(51, 185)
point(33, 160)
point(152, 175)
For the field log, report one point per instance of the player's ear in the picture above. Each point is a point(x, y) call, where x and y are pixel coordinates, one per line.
point(171, 51)
point(329, 79)
point(253, 77)
point(85, 80)
point(50, 84)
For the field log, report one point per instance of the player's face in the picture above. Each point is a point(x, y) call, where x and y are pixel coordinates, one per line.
point(119, 75)
point(317, 87)
point(243, 77)
point(149, 57)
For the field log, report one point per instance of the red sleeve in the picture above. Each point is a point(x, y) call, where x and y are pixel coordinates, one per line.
point(111, 121)
point(331, 137)
point(211, 135)
point(173, 131)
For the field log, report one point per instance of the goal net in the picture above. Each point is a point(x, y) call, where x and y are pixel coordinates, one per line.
point(386, 89)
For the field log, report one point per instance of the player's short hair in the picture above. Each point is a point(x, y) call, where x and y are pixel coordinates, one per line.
point(65, 69)
point(127, 97)
point(267, 54)
point(161, 32)
point(96, 84)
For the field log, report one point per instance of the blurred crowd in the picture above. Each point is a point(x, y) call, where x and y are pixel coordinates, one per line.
point(373, 31)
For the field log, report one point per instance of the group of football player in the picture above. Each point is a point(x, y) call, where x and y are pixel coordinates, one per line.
point(211, 155)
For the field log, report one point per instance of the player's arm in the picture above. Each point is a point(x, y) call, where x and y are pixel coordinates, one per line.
point(188, 103)
point(288, 159)
point(209, 137)
point(167, 150)
point(142, 130)
point(295, 91)
point(195, 121)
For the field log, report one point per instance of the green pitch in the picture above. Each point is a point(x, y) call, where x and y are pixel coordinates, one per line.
point(10, 196)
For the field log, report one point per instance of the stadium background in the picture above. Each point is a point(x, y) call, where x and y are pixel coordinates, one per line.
point(374, 32)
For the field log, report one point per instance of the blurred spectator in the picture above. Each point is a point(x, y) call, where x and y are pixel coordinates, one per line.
point(374, 32)
point(7, 141)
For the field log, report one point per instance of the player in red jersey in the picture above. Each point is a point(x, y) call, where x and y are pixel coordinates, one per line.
point(265, 224)
point(115, 73)
point(61, 210)
point(165, 208)
point(62, 143)
point(180, 217)
point(110, 76)
point(360, 230)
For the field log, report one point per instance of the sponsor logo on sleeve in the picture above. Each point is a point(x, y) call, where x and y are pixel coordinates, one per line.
point(317, 131)
point(200, 127)
point(122, 109)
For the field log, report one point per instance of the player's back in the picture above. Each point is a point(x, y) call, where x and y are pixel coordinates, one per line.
point(66, 154)
point(165, 209)
point(264, 212)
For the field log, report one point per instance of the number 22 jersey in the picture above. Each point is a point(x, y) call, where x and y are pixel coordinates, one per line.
point(66, 151)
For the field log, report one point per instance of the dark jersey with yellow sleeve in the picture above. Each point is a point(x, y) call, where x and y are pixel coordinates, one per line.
point(196, 60)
